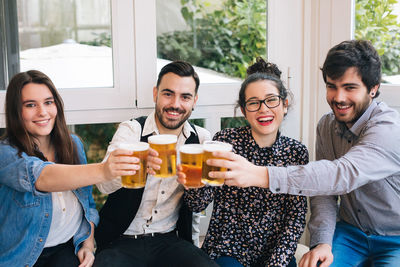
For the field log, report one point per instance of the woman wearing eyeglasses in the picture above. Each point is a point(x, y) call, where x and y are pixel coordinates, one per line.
point(251, 226)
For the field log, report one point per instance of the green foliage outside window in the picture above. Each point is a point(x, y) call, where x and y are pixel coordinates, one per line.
point(226, 40)
point(234, 122)
point(376, 22)
point(96, 138)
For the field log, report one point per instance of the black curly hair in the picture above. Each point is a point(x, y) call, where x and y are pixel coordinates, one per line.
point(263, 70)
point(354, 53)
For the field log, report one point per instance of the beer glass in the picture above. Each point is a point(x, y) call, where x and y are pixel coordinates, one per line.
point(138, 180)
point(209, 147)
point(165, 144)
point(191, 158)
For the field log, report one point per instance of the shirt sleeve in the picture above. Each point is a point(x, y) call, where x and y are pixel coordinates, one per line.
point(372, 158)
point(20, 173)
point(204, 135)
point(127, 132)
point(323, 209)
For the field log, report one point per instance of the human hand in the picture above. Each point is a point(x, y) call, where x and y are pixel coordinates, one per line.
point(321, 253)
point(181, 176)
point(153, 161)
point(85, 256)
point(120, 163)
point(241, 172)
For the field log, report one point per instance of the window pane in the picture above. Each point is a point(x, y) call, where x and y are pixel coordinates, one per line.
point(379, 22)
point(198, 122)
point(68, 40)
point(222, 37)
point(233, 122)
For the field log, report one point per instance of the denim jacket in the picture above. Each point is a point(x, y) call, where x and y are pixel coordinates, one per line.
point(26, 213)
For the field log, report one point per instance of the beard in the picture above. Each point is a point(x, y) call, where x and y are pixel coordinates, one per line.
point(172, 124)
point(357, 110)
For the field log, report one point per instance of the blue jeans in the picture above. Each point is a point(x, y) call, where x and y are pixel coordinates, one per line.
point(352, 247)
point(226, 261)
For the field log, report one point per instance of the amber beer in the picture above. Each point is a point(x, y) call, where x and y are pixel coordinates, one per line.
point(209, 147)
point(165, 144)
point(138, 180)
point(191, 158)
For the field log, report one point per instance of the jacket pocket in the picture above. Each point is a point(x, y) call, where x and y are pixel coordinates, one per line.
point(25, 199)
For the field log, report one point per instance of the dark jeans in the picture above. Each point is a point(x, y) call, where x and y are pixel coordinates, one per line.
point(61, 256)
point(226, 261)
point(165, 250)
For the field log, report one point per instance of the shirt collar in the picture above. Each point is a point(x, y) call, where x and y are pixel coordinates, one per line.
point(150, 126)
point(357, 127)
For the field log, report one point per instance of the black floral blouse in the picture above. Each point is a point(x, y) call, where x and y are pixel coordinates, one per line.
point(252, 224)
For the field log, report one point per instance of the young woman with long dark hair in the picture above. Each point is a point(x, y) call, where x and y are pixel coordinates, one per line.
point(47, 213)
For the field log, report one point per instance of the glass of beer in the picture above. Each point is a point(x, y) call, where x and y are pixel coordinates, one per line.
point(209, 147)
point(191, 158)
point(138, 180)
point(165, 144)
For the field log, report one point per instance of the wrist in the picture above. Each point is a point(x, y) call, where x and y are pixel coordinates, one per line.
point(88, 246)
point(262, 177)
point(102, 171)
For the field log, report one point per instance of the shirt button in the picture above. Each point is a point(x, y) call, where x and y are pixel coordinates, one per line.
point(155, 212)
point(40, 240)
point(300, 192)
point(359, 210)
point(63, 209)
point(46, 215)
point(278, 189)
point(162, 192)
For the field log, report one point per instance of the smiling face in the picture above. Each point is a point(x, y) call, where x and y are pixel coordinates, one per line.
point(348, 97)
point(266, 121)
point(175, 98)
point(38, 110)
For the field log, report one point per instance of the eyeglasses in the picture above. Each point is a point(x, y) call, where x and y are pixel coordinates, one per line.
point(254, 105)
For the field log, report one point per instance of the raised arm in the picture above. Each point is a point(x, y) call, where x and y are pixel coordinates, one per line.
point(60, 177)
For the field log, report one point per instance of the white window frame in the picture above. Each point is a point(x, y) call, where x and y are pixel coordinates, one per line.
point(135, 73)
point(338, 18)
point(108, 104)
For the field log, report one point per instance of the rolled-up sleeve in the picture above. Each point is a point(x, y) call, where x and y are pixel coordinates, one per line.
point(20, 173)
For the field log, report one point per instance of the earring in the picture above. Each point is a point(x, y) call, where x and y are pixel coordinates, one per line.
point(372, 94)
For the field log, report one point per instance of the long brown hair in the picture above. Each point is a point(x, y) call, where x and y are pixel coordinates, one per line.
point(18, 135)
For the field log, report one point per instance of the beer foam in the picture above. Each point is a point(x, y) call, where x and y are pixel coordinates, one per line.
point(162, 139)
point(217, 146)
point(191, 149)
point(139, 146)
